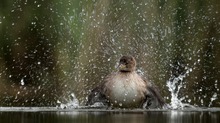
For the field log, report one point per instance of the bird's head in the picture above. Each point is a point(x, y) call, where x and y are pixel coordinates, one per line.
point(127, 64)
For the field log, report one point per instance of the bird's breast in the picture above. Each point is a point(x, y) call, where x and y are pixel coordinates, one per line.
point(126, 91)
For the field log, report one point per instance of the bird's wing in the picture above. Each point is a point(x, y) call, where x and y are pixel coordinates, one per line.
point(97, 96)
point(153, 98)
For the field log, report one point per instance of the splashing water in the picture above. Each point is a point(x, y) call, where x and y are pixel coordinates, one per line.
point(174, 85)
point(71, 103)
point(214, 97)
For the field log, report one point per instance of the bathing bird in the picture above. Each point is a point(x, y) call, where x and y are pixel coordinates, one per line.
point(125, 88)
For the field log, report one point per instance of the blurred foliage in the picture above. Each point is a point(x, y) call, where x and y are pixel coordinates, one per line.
point(50, 49)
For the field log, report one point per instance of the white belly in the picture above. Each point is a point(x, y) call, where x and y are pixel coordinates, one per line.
point(121, 91)
point(125, 91)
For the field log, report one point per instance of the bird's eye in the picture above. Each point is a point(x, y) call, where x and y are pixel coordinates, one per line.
point(123, 60)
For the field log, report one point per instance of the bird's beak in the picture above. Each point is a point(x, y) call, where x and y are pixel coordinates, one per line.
point(122, 66)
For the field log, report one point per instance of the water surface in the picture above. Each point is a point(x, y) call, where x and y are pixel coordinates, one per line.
point(55, 115)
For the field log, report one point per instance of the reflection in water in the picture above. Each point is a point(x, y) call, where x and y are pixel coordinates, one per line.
point(179, 117)
point(176, 116)
point(173, 116)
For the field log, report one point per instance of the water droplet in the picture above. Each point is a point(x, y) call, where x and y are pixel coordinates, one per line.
point(22, 81)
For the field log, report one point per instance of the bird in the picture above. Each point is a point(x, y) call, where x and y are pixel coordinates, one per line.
point(125, 88)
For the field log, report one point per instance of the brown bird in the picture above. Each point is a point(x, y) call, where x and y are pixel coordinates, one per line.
point(126, 89)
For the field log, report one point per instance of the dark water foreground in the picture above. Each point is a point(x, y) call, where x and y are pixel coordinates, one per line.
point(54, 115)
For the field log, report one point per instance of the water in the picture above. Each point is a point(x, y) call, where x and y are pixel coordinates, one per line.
point(175, 84)
point(71, 111)
point(57, 115)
